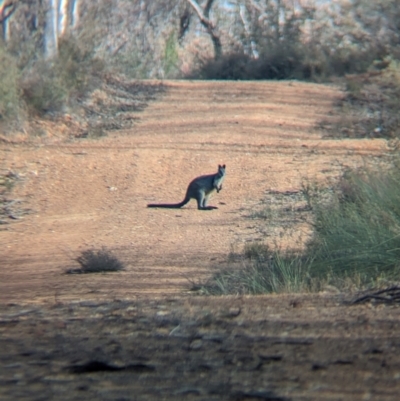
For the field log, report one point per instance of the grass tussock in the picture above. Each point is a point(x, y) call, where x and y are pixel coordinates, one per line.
point(263, 271)
point(358, 231)
point(355, 243)
point(97, 261)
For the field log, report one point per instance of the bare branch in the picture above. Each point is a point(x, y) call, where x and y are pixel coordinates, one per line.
point(203, 19)
point(184, 23)
point(256, 6)
point(208, 24)
point(207, 8)
point(6, 9)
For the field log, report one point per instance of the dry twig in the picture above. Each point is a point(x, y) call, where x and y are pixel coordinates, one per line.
point(387, 295)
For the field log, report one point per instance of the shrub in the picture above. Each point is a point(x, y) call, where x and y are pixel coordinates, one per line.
point(279, 64)
point(43, 88)
point(77, 64)
point(97, 261)
point(9, 93)
point(132, 64)
point(51, 85)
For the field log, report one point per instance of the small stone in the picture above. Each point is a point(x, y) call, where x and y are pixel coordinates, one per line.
point(234, 311)
point(196, 345)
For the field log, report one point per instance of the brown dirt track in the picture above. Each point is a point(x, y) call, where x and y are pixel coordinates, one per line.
point(90, 193)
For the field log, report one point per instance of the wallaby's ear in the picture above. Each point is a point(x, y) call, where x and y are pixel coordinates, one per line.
point(219, 166)
point(223, 166)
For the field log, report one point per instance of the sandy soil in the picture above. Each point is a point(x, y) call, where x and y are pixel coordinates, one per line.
point(137, 334)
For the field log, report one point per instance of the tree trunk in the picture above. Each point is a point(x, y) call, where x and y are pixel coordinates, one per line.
point(63, 17)
point(204, 16)
point(73, 12)
point(51, 29)
point(277, 25)
point(6, 9)
point(5, 25)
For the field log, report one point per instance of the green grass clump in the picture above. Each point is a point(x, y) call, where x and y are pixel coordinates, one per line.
point(263, 271)
point(358, 231)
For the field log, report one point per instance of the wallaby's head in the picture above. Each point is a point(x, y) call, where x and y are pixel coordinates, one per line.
point(221, 169)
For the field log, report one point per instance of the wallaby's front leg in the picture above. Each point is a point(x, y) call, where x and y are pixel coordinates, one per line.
point(216, 186)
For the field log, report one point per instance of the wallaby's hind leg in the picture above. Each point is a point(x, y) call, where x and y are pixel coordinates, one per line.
point(202, 200)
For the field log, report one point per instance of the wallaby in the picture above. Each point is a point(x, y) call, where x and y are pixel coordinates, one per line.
point(200, 189)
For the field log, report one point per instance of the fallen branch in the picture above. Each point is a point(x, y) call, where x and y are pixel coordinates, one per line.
point(388, 295)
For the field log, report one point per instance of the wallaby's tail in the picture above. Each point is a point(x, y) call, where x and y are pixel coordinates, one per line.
point(166, 205)
point(170, 205)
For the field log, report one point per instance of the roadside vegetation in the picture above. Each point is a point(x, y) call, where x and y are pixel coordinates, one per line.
point(355, 242)
point(75, 88)
point(50, 86)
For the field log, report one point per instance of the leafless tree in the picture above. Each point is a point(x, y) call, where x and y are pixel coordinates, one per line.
point(248, 31)
point(51, 29)
point(60, 16)
point(211, 28)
